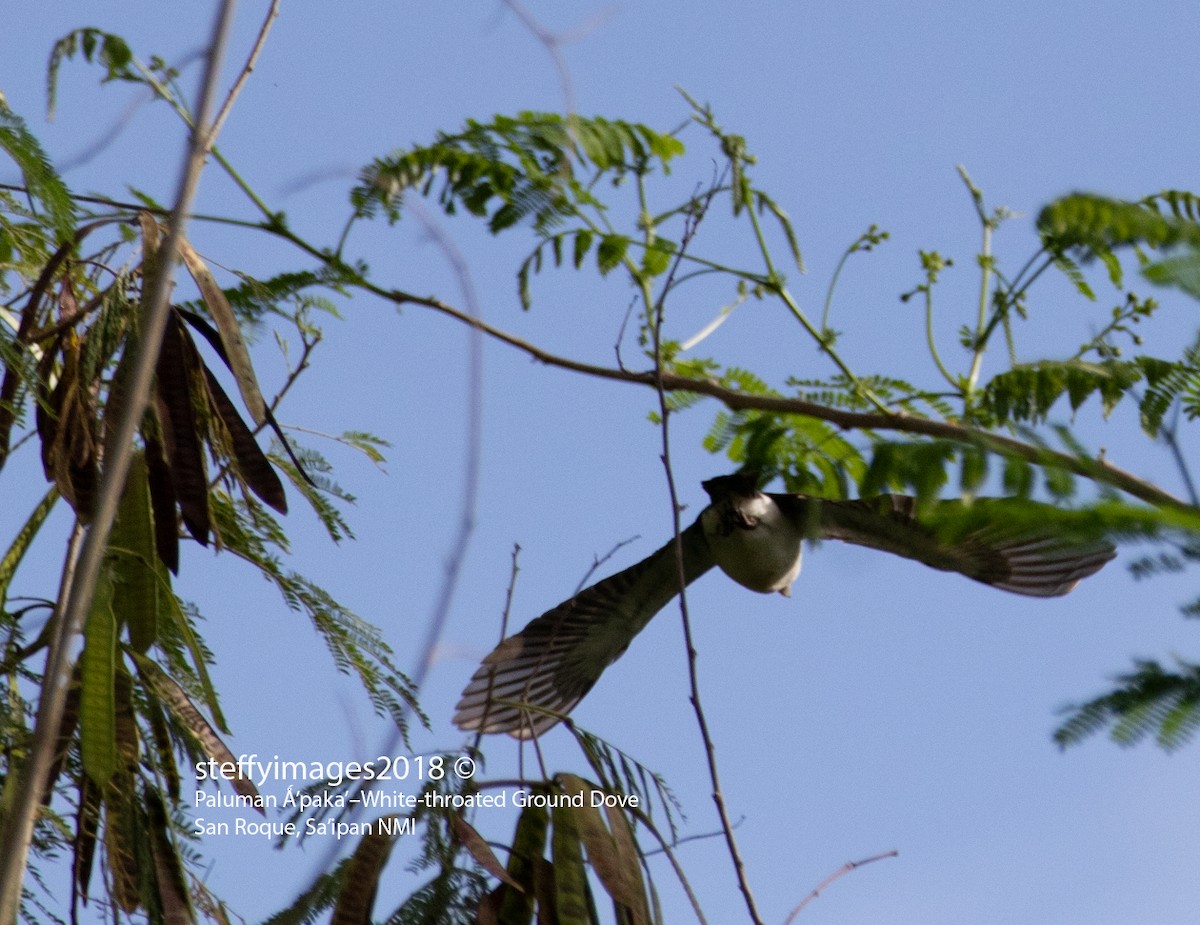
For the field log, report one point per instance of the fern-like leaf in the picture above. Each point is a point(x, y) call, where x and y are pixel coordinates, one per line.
point(1150, 700)
point(43, 183)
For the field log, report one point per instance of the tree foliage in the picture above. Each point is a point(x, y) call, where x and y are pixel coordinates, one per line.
point(142, 705)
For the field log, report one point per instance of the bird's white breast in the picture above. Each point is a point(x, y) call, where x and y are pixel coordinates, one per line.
point(764, 556)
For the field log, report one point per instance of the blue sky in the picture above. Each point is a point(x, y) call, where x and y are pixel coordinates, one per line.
point(883, 706)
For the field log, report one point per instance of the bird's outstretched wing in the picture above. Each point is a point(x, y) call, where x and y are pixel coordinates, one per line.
point(531, 679)
point(1010, 553)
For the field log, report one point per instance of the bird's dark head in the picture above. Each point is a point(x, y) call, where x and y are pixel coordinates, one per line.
point(739, 485)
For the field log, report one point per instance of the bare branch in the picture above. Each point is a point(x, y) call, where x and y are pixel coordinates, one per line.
point(247, 69)
point(553, 43)
point(1098, 469)
point(469, 495)
point(76, 599)
point(710, 750)
point(598, 561)
point(840, 872)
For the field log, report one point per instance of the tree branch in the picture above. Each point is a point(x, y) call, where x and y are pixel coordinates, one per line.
point(1099, 470)
point(76, 598)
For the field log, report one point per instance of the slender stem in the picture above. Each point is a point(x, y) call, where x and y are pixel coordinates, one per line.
point(1170, 436)
point(985, 262)
point(718, 794)
point(840, 872)
point(860, 387)
point(837, 271)
point(344, 236)
point(77, 596)
point(1013, 296)
point(988, 223)
point(933, 350)
point(166, 94)
point(247, 69)
point(679, 873)
point(776, 284)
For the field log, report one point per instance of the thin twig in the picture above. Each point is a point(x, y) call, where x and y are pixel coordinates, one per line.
point(710, 751)
point(621, 332)
point(665, 848)
point(1169, 433)
point(699, 836)
point(840, 872)
point(598, 561)
point(514, 570)
point(553, 43)
point(308, 343)
point(247, 68)
point(469, 494)
point(76, 600)
point(474, 453)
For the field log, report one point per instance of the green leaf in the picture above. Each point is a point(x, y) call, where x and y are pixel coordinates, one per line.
point(1029, 392)
point(570, 879)
point(973, 471)
point(21, 543)
point(1148, 700)
point(1100, 224)
point(529, 844)
point(537, 166)
point(114, 54)
point(785, 223)
point(1018, 478)
point(98, 711)
point(1071, 270)
point(583, 242)
point(523, 279)
point(611, 251)
point(136, 569)
point(1181, 271)
point(657, 257)
point(174, 620)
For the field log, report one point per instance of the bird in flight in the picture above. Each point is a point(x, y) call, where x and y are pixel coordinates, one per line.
point(531, 680)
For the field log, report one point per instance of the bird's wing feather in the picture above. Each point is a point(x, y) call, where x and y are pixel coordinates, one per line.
point(531, 679)
point(1006, 552)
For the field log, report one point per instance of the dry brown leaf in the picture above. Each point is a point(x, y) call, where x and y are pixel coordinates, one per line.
point(480, 850)
point(362, 879)
point(174, 372)
point(231, 333)
point(181, 706)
